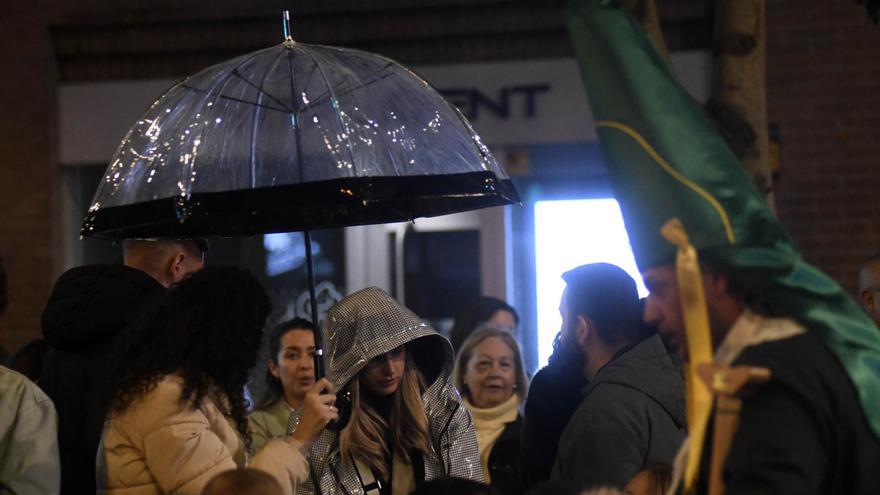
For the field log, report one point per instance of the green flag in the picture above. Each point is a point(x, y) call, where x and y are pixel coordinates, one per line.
point(665, 160)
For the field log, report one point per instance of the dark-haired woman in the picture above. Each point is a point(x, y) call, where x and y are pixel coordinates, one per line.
point(484, 309)
point(178, 412)
point(290, 374)
point(407, 423)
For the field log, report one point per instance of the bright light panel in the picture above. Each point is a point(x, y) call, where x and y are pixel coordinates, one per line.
point(569, 234)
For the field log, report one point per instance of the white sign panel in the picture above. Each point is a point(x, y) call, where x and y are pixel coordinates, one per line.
point(509, 103)
point(539, 101)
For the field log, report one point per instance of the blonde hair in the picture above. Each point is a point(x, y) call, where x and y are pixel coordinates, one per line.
point(365, 436)
point(467, 351)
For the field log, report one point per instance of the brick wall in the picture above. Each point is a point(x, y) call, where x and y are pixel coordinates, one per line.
point(823, 90)
point(27, 179)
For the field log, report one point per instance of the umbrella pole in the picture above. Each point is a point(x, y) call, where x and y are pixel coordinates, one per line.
point(313, 300)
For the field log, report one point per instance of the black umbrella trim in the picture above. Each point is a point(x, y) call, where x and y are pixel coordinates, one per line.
point(295, 207)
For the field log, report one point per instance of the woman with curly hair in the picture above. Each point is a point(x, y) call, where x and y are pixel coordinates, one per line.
point(177, 416)
point(290, 374)
point(407, 423)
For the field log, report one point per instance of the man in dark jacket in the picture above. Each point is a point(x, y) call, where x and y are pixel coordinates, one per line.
point(632, 414)
point(88, 307)
point(555, 393)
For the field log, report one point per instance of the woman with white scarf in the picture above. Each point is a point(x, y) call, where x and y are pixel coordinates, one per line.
point(490, 376)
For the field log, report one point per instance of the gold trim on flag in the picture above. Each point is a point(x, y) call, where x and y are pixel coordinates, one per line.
point(725, 220)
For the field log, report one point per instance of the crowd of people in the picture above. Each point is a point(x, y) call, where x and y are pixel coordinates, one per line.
point(143, 390)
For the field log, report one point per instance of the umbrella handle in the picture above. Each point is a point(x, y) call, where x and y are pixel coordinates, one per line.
point(343, 397)
point(319, 359)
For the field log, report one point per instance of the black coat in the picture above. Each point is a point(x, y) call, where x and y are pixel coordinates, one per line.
point(555, 393)
point(804, 432)
point(504, 460)
point(632, 415)
point(88, 307)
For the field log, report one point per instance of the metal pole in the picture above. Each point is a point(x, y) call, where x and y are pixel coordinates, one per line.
point(313, 299)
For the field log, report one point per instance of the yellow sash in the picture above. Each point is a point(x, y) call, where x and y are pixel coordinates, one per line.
point(699, 342)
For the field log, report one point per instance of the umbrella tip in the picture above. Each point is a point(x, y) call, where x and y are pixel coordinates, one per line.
point(285, 25)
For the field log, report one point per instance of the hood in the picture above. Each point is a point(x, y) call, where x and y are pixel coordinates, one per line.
point(665, 161)
point(91, 304)
point(367, 324)
point(647, 367)
point(370, 323)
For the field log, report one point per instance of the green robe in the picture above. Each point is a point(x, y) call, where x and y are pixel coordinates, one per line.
point(802, 433)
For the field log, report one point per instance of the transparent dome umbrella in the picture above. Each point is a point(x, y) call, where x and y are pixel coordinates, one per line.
point(294, 137)
point(289, 138)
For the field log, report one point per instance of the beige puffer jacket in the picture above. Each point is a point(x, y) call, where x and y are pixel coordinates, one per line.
point(160, 445)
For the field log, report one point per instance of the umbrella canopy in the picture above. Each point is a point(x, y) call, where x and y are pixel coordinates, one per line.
point(294, 137)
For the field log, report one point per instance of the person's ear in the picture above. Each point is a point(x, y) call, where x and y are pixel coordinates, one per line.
point(273, 368)
point(715, 284)
point(868, 301)
point(583, 331)
point(177, 267)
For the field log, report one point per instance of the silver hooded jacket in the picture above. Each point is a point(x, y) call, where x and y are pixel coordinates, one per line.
point(367, 324)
